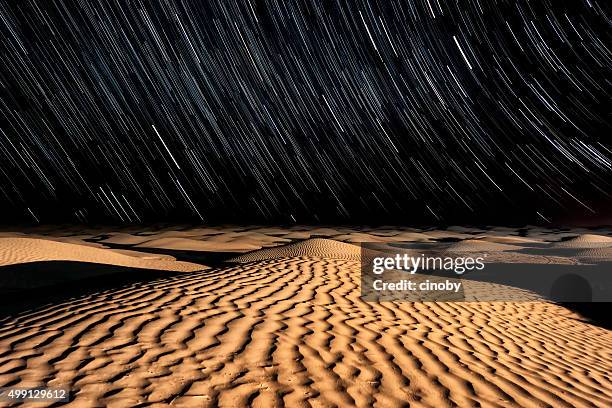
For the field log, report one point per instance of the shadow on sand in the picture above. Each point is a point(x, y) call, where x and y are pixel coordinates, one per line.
point(597, 313)
point(27, 286)
point(30, 285)
point(207, 258)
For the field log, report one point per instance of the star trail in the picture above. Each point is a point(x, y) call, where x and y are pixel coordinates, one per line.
point(402, 112)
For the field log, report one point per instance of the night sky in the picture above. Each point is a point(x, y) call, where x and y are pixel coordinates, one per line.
point(347, 112)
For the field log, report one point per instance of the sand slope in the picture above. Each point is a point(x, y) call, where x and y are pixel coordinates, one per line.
point(509, 239)
point(474, 245)
point(22, 250)
point(585, 241)
point(291, 330)
point(314, 247)
point(598, 253)
point(186, 244)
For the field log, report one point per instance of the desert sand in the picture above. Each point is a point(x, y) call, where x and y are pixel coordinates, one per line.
point(25, 250)
point(284, 325)
point(585, 241)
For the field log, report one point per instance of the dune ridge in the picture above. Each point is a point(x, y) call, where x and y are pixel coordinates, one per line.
point(600, 253)
point(475, 245)
point(24, 250)
point(585, 241)
point(313, 247)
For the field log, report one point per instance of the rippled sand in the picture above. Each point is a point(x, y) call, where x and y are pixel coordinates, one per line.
point(287, 327)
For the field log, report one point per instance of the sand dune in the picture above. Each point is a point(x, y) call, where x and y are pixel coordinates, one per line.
point(145, 255)
point(363, 237)
point(509, 257)
point(11, 234)
point(294, 332)
point(222, 242)
point(358, 237)
point(305, 233)
point(185, 244)
point(287, 327)
point(508, 239)
point(445, 234)
point(414, 237)
point(585, 241)
point(125, 239)
point(315, 248)
point(23, 250)
point(601, 253)
point(72, 240)
point(474, 245)
point(252, 238)
point(298, 235)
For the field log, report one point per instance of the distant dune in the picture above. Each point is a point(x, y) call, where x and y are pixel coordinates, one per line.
point(185, 244)
point(24, 250)
point(125, 239)
point(509, 239)
point(585, 241)
point(474, 245)
point(601, 253)
point(313, 248)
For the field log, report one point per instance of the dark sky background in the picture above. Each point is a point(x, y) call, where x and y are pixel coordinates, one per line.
point(350, 112)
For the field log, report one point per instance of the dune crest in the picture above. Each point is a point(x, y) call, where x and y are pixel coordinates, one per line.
point(585, 241)
point(186, 244)
point(475, 245)
point(23, 250)
point(506, 239)
point(598, 253)
point(313, 247)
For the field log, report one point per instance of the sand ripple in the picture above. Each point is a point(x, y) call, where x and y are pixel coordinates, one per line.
point(294, 332)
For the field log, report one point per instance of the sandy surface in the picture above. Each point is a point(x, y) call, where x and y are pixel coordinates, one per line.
point(585, 241)
point(474, 245)
point(311, 248)
point(23, 250)
point(27, 263)
point(287, 327)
